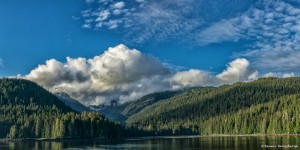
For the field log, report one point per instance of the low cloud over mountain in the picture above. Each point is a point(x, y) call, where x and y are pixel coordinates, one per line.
point(126, 74)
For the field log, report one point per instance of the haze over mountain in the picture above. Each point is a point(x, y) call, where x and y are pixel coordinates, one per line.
point(121, 112)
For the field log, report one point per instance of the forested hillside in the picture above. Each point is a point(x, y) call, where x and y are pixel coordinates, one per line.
point(268, 105)
point(123, 111)
point(29, 111)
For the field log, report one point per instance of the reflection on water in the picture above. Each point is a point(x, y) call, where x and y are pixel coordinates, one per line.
point(233, 142)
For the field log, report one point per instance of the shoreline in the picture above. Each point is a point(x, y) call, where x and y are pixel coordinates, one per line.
point(51, 140)
point(285, 134)
point(143, 137)
point(212, 135)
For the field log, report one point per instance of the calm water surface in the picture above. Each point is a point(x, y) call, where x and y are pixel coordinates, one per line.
point(184, 142)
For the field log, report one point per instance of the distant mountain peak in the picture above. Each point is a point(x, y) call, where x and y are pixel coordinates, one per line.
point(62, 94)
point(73, 103)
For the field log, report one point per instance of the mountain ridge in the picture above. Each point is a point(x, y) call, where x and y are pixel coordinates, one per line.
point(73, 103)
point(196, 107)
point(264, 106)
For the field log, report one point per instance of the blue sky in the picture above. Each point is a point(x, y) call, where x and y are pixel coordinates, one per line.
point(199, 41)
point(34, 31)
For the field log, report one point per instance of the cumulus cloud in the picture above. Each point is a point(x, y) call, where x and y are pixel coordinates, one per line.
point(238, 70)
point(55, 73)
point(288, 75)
point(122, 65)
point(270, 74)
point(192, 77)
point(125, 74)
point(119, 73)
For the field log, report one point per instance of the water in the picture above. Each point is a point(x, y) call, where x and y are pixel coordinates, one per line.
point(184, 142)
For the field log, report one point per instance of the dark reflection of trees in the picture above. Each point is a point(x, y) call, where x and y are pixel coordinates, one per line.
point(228, 142)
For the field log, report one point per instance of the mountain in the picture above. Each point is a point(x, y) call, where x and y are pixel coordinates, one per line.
point(264, 106)
point(29, 111)
point(268, 105)
point(74, 104)
point(121, 112)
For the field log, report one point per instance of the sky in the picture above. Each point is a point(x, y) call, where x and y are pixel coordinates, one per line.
point(100, 50)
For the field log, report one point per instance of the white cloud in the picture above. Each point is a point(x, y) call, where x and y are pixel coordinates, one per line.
point(112, 24)
point(87, 26)
point(276, 47)
point(253, 76)
point(103, 15)
point(19, 76)
point(273, 26)
point(118, 5)
point(237, 70)
point(126, 74)
point(55, 73)
point(117, 12)
point(164, 20)
point(192, 78)
point(270, 74)
point(218, 32)
point(287, 75)
point(119, 73)
point(279, 74)
point(120, 64)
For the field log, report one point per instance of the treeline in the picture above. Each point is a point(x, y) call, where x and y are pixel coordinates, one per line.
point(266, 106)
point(29, 111)
point(24, 92)
point(14, 124)
point(281, 116)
